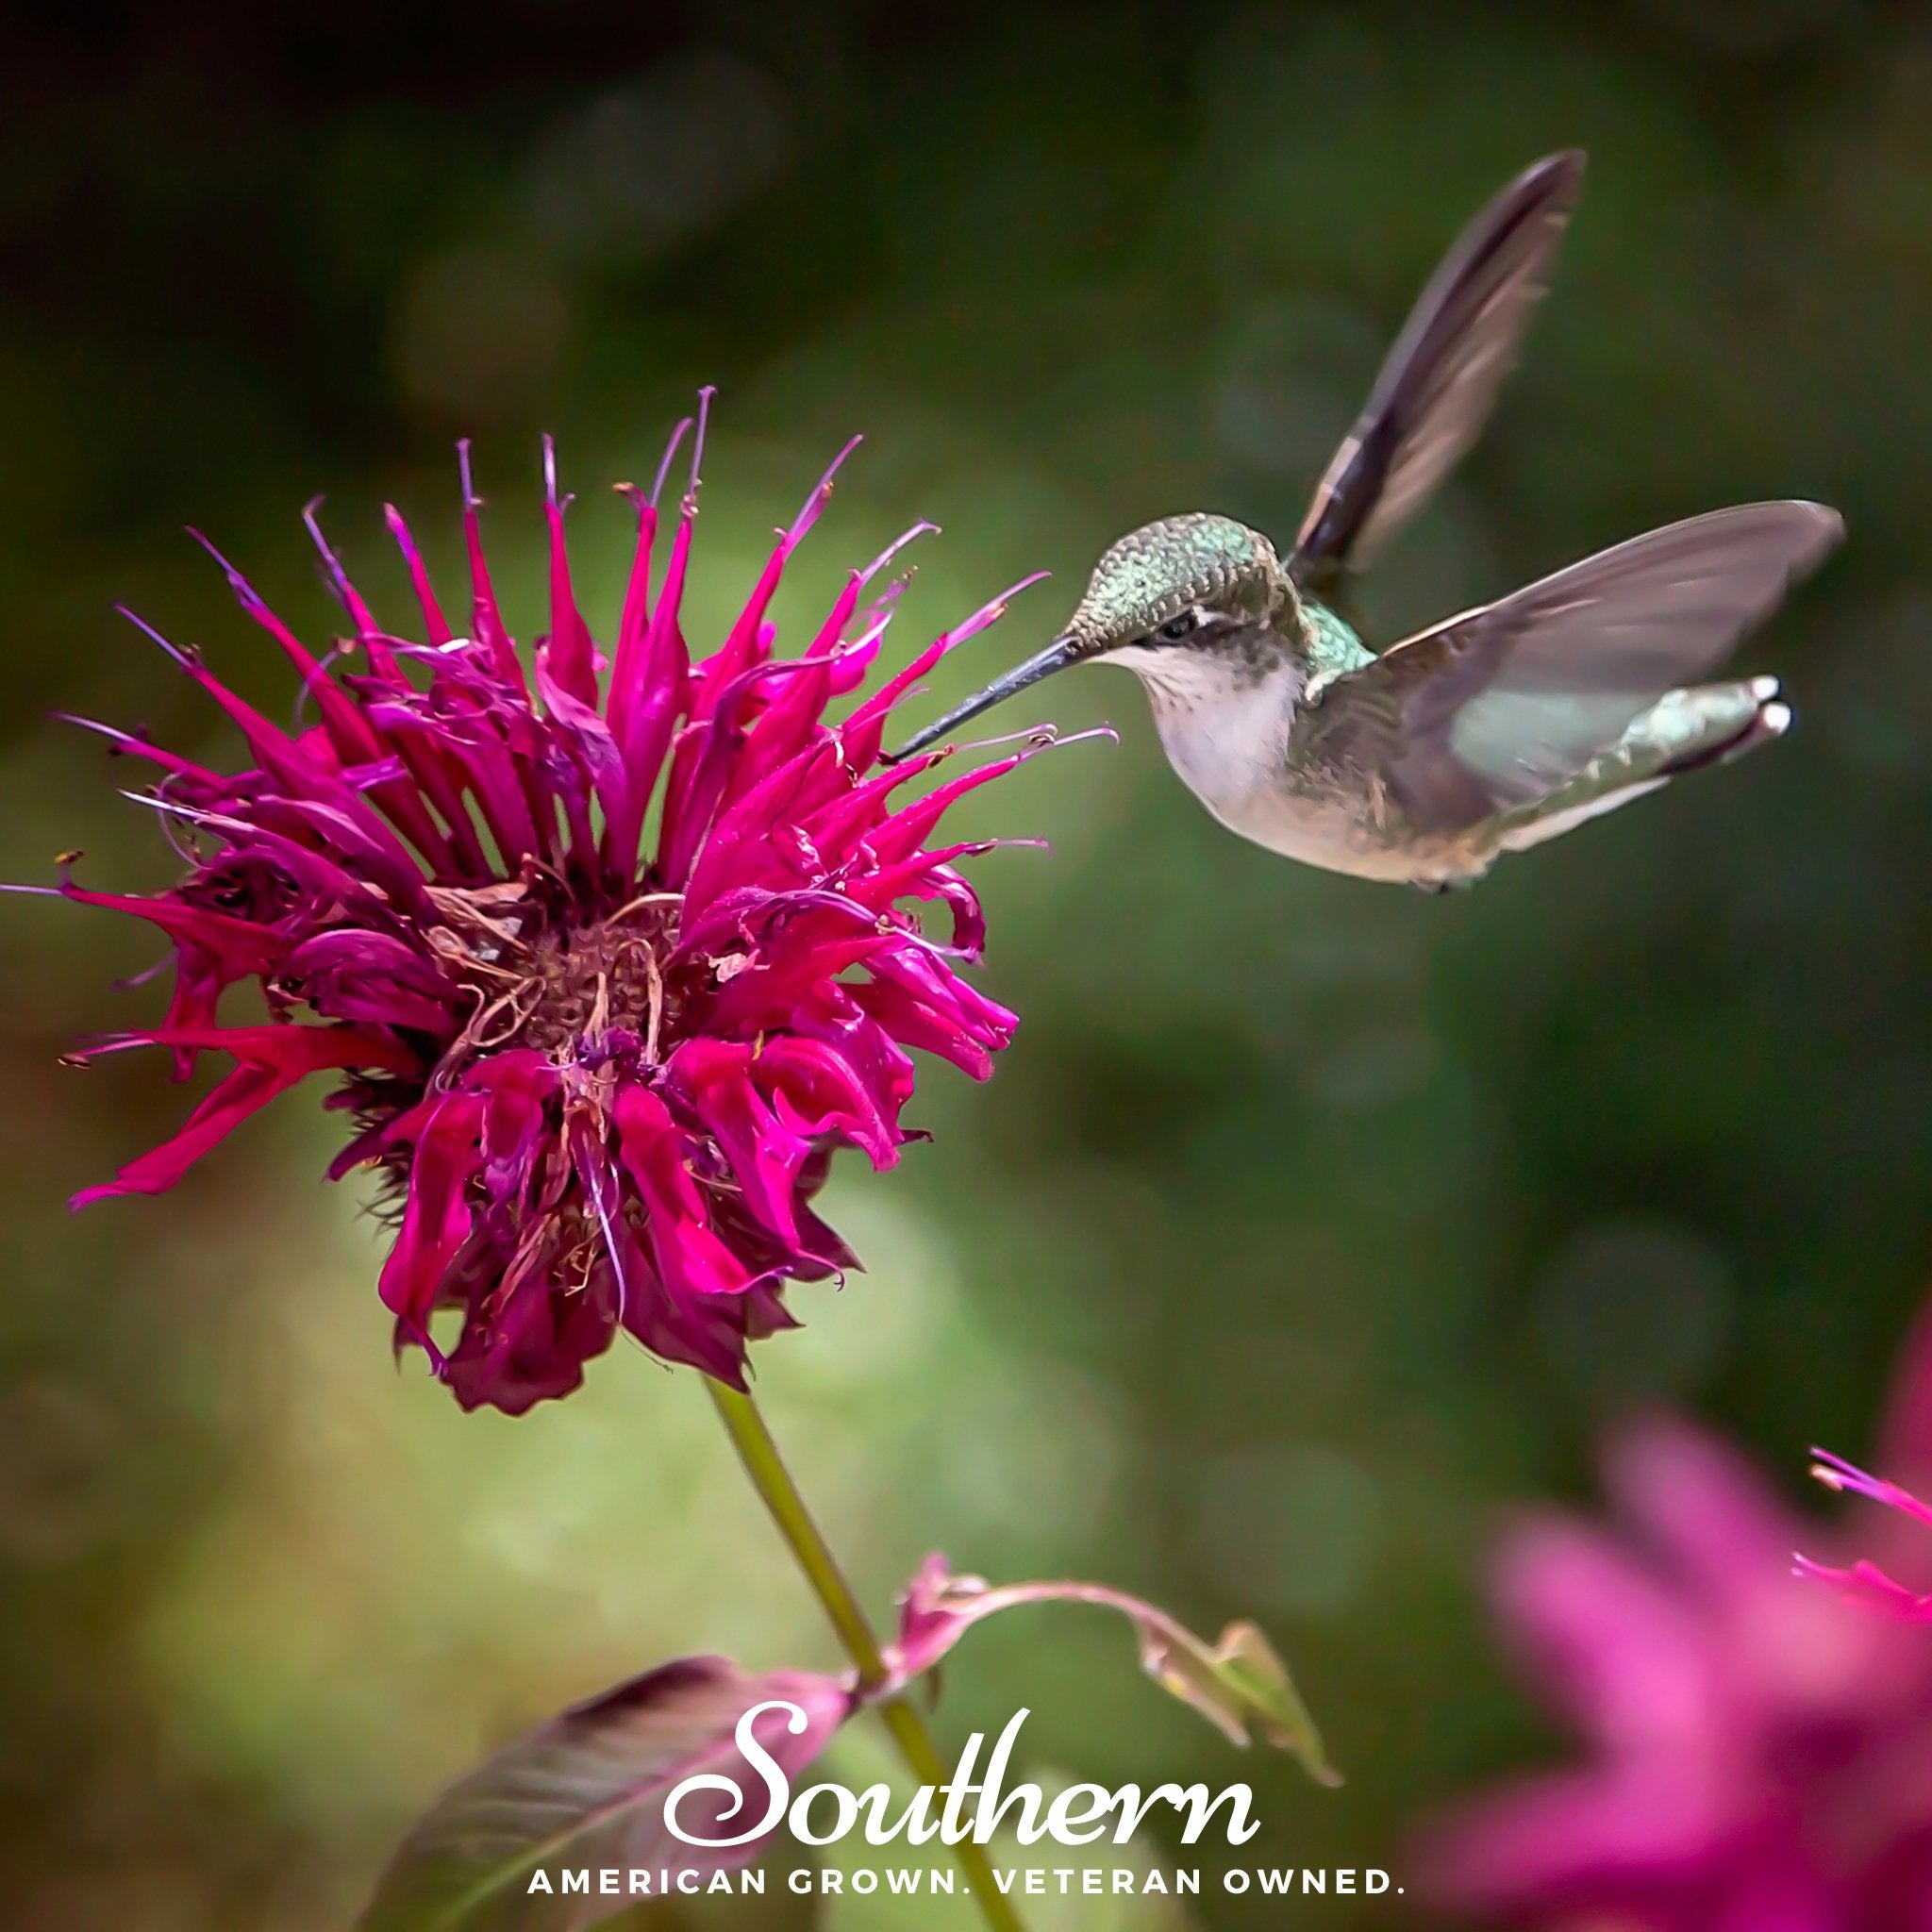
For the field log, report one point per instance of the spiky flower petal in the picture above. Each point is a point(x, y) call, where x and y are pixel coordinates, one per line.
point(1863, 1581)
point(613, 953)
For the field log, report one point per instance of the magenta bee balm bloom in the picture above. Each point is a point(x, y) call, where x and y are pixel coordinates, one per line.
point(1755, 1753)
point(610, 953)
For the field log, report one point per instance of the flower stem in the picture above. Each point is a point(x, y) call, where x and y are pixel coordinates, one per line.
point(769, 1476)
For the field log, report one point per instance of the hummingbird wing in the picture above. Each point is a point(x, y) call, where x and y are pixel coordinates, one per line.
point(1440, 381)
point(1491, 710)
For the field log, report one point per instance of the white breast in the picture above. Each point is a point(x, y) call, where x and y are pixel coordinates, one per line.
point(1224, 727)
point(1225, 730)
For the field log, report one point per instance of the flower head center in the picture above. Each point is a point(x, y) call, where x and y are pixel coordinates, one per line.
point(568, 981)
point(594, 980)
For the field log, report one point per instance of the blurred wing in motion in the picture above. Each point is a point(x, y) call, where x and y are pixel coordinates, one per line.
point(1491, 710)
point(1441, 379)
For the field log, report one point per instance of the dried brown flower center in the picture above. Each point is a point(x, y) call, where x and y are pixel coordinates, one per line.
point(553, 983)
point(588, 982)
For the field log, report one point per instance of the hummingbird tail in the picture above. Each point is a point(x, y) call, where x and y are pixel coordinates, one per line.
point(1684, 732)
point(1737, 718)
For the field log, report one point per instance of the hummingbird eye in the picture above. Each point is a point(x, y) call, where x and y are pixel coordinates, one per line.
point(1178, 626)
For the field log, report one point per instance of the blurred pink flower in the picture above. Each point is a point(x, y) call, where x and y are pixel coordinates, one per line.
point(1759, 1754)
point(604, 1063)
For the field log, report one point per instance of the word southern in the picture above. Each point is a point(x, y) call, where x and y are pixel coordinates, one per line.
point(1080, 1815)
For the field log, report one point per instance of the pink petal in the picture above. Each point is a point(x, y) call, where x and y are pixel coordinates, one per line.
point(435, 1218)
point(571, 658)
point(245, 1092)
point(691, 1259)
point(765, 1155)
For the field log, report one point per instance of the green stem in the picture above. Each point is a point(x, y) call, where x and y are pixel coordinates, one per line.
point(779, 1493)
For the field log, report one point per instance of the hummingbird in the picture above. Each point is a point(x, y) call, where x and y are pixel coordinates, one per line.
point(1489, 732)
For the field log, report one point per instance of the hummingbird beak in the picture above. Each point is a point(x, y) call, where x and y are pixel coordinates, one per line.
point(1056, 657)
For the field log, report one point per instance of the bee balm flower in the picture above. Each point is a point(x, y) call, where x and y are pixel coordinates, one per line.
point(612, 954)
point(1754, 1749)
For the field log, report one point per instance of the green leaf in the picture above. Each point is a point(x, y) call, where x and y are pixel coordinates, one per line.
point(1238, 1683)
point(587, 1791)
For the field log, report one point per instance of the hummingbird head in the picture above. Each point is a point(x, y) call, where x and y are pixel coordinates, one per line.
point(1182, 587)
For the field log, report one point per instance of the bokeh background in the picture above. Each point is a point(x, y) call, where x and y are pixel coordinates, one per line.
point(1309, 1226)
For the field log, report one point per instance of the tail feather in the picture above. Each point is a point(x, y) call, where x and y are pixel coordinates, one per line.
point(1684, 732)
point(1738, 718)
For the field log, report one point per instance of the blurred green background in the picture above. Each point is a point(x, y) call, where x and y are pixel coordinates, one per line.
point(1308, 1224)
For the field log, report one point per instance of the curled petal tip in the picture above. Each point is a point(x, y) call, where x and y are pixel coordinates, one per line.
point(821, 491)
point(1038, 737)
point(992, 614)
point(1834, 1473)
point(228, 570)
point(690, 506)
point(669, 457)
point(923, 527)
point(332, 566)
point(183, 658)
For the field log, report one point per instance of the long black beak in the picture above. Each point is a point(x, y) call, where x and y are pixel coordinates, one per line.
point(1056, 657)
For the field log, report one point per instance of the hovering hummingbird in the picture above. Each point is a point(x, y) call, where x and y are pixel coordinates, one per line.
point(1489, 732)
